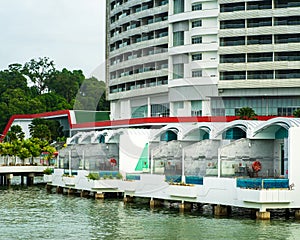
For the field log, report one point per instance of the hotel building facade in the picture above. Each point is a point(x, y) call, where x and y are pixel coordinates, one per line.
point(202, 57)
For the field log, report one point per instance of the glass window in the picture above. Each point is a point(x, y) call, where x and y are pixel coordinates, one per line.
point(258, 5)
point(178, 6)
point(260, 74)
point(260, 39)
point(260, 57)
point(287, 56)
point(196, 6)
point(196, 23)
point(294, 20)
point(239, 23)
point(233, 58)
point(234, 75)
point(139, 112)
point(259, 22)
point(196, 73)
point(287, 74)
point(178, 38)
point(232, 7)
point(178, 71)
point(196, 108)
point(286, 3)
point(160, 110)
point(196, 39)
point(196, 56)
point(232, 41)
point(287, 38)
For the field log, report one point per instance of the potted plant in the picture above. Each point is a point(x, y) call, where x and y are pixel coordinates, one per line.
point(48, 175)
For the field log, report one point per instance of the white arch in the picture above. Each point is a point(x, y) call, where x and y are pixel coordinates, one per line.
point(266, 127)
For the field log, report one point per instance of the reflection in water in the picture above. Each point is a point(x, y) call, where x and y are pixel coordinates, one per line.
point(31, 213)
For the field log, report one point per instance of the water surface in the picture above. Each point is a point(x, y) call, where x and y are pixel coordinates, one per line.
point(32, 213)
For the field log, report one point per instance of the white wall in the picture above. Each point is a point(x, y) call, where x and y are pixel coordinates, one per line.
point(132, 143)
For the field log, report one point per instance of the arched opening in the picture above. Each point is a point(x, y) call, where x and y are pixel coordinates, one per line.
point(169, 135)
point(234, 133)
point(101, 139)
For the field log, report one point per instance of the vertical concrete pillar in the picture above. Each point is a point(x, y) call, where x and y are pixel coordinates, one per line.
point(155, 203)
point(48, 188)
point(297, 214)
point(9, 177)
point(71, 191)
point(263, 215)
point(185, 206)
point(59, 189)
point(22, 180)
point(30, 179)
point(220, 210)
point(128, 199)
point(99, 195)
point(84, 193)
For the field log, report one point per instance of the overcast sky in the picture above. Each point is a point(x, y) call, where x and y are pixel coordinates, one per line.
point(69, 32)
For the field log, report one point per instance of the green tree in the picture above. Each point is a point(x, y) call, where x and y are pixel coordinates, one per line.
point(33, 145)
point(246, 113)
point(296, 113)
point(15, 133)
point(92, 96)
point(39, 72)
point(23, 154)
point(66, 83)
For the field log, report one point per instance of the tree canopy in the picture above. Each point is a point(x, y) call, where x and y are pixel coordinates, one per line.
point(38, 87)
point(246, 113)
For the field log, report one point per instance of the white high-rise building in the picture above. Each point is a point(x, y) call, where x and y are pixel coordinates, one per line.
point(202, 57)
point(259, 57)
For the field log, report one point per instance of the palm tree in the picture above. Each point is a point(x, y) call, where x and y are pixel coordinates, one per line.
point(296, 113)
point(246, 113)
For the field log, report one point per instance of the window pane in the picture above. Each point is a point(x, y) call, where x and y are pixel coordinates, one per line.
point(196, 56)
point(196, 40)
point(178, 71)
point(197, 23)
point(197, 73)
point(178, 6)
point(178, 38)
point(196, 6)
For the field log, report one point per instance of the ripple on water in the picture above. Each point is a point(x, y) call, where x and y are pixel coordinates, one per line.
point(31, 213)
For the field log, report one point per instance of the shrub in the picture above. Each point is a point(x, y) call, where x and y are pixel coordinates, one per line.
point(93, 176)
point(48, 171)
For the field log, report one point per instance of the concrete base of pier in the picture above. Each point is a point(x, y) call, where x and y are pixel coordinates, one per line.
point(84, 193)
point(263, 215)
point(297, 214)
point(220, 210)
point(59, 189)
point(99, 195)
point(155, 203)
point(185, 206)
point(128, 199)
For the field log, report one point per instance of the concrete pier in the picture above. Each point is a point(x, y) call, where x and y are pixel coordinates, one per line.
point(155, 203)
point(297, 214)
point(99, 195)
point(84, 193)
point(263, 215)
point(128, 199)
point(220, 210)
point(185, 206)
